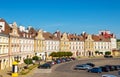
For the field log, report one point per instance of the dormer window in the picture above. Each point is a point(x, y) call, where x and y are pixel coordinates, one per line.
point(100, 39)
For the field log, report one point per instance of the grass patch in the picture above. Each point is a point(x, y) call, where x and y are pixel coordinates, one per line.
point(25, 71)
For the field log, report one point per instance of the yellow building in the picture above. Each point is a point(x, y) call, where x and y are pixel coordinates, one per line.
point(38, 43)
point(64, 43)
point(89, 46)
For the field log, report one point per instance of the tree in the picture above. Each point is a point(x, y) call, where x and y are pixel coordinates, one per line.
point(107, 53)
point(60, 54)
point(36, 58)
point(101, 53)
point(53, 54)
point(69, 54)
point(28, 61)
point(96, 52)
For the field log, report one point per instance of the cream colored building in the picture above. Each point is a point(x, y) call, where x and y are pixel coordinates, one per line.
point(4, 44)
point(76, 44)
point(14, 46)
point(51, 44)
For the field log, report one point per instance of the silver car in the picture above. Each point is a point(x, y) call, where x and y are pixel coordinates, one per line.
point(82, 67)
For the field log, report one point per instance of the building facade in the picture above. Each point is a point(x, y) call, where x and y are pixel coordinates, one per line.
point(17, 44)
point(76, 44)
point(4, 45)
point(51, 43)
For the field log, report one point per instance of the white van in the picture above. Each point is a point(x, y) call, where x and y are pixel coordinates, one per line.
point(108, 75)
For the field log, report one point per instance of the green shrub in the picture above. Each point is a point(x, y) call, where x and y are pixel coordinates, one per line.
point(36, 58)
point(107, 53)
point(28, 61)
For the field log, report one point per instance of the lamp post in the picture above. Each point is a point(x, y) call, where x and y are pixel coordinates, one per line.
point(45, 56)
point(27, 60)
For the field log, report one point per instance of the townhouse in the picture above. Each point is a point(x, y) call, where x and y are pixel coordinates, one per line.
point(101, 44)
point(4, 44)
point(39, 44)
point(51, 44)
point(64, 42)
point(26, 42)
point(76, 44)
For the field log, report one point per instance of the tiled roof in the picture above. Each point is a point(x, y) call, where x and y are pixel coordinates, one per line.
point(73, 37)
point(8, 29)
point(100, 38)
point(49, 36)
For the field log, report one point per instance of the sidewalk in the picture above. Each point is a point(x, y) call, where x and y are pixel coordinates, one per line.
point(6, 72)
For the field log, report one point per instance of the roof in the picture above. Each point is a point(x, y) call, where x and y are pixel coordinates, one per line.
point(8, 29)
point(100, 38)
point(49, 36)
point(74, 37)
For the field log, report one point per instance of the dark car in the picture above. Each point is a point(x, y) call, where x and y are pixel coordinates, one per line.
point(72, 58)
point(116, 67)
point(95, 70)
point(51, 63)
point(45, 66)
point(111, 67)
point(90, 64)
point(108, 56)
point(58, 61)
point(105, 68)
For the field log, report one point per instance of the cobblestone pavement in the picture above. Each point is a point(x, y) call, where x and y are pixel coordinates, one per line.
point(66, 69)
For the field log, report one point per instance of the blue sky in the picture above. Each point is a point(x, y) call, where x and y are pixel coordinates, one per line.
point(74, 16)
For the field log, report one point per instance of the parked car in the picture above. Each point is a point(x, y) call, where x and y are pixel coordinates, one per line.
point(91, 64)
point(58, 61)
point(95, 70)
point(45, 66)
point(105, 69)
point(82, 67)
point(116, 67)
point(72, 58)
point(51, 63)
point(108, 56)
point(111, 67)
point(108, 75)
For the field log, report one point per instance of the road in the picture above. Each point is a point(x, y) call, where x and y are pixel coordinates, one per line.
point(66, 69)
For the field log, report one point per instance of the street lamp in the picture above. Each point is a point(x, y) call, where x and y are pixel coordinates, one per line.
point(27, 60)
point(45, 56)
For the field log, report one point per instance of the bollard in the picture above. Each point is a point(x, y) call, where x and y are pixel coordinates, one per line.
point(15, 69)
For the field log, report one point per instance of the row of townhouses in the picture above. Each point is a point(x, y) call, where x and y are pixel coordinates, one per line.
point(20, 43)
